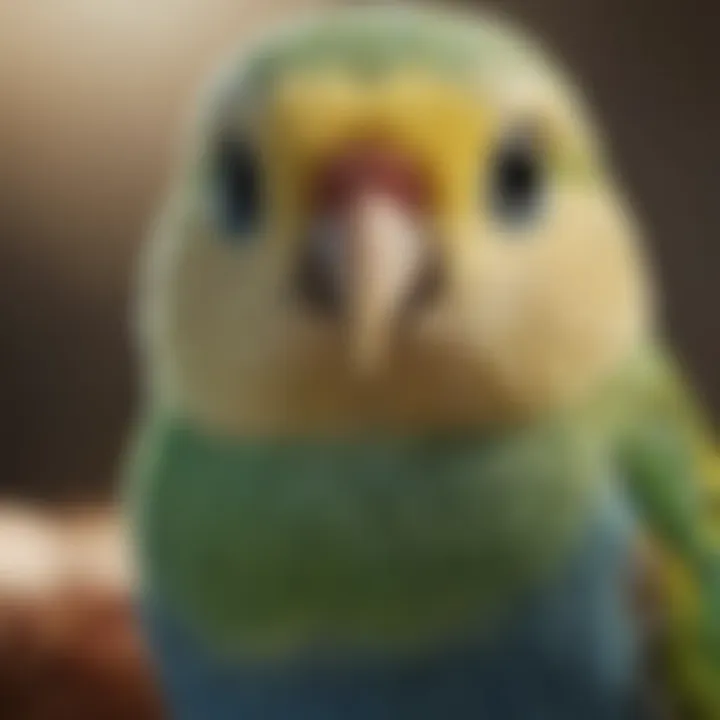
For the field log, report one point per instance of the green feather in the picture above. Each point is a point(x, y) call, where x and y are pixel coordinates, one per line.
point(668, 455)
point(268, 543)
point(368, 42)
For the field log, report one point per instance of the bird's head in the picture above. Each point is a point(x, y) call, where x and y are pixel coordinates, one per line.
point(390, 220)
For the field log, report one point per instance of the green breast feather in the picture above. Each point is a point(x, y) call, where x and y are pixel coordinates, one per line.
point(266, 543)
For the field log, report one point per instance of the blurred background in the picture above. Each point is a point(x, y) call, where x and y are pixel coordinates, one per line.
point(93, 94)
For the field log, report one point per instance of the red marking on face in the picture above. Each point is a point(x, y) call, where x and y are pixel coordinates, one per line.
point(370, 168)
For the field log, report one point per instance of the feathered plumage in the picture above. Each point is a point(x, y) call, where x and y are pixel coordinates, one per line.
point(399, 339)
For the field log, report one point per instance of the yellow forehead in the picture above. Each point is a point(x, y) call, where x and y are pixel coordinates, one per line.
point(447, 126)
point(442, 125)
point(312, 115)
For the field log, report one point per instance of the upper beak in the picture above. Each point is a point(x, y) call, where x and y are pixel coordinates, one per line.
point(386, 259)
point(366, 257)
point(364, 266)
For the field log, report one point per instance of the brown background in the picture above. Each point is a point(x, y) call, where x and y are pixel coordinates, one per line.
point(92, 93)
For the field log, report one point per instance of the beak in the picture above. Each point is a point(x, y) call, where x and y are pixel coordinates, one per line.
point(363, 267)
point(386, 262)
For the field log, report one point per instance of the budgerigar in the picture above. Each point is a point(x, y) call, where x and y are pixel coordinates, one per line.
point(410, 436)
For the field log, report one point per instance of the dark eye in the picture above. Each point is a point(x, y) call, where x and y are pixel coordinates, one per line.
point(517, 180)
point(238, 187)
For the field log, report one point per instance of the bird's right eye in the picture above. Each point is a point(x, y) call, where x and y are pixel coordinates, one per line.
point(238, 188)
point(518, 180)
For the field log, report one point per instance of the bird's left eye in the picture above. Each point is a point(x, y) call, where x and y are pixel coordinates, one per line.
point(237, 187)
point(517, 180)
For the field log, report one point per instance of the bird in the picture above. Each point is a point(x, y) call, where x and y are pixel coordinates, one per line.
point(412, 435)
